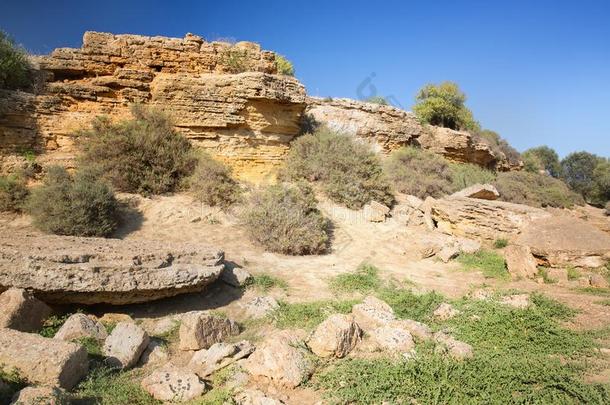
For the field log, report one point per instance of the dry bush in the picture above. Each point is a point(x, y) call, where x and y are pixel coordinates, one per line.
point(498, 145)
point(143, 155)
point(535, 189)
point(13, 193)
point(212, 183)
point(419, 172)
point(79, 205)
point(467, 174)
point(284, 219)
point(350, 173)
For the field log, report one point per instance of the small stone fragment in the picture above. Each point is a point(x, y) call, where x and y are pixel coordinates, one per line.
point(81, 326)
point(236, 276)
point(200, 330)
point(445, 311)
point(21, 311)
point(335, 337)
point(174, 385)
point(125, 345)
point(517, 300)
point(260, 307)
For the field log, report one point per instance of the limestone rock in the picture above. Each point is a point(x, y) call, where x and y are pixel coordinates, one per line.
point(255, 397)
point(598, 281)
point(125, 345)
point(558, 275)
point(42, 360)
point(520, 262)
point(376, 212)
point(481, 294)
point(280, 359)
point(236, 276)
point(372, 313)
point(520, 301)
point(66, 269)
point(445, 311)
point(418, 330)
point(482, 219)
point(173, 385)
point(259, 307)
point(413, 201)
point(155, 353)
point(335, 337)
point(447, 253)
point(393, 338)
point(565, 240)
point(200, 330)
point(220, 355)
point(466, 245)
point(480, 191)
point(41, 396)
point(455, 348)
point(79, 326)
point(22, 311)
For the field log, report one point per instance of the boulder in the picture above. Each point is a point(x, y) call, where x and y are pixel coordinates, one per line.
point(520, 301)
point(376, 212)
point(66, 269)
point(445, 311)
point(448, 253)
point(125, 345)
point(80, 326)
point(335, 337)
point(220, 355)
point(418, 330)
point(255, 397)
point(173, 385)
point(260, 307)
point(448, 344)
point(565, 240)
point(22, 311)
point(481, 294)
point(236, 276)
point(520, 262)
point(466, 245)
point(598, 281)
point(372, 313)
point(200, 330)
point(558, 275)
point(41, 396)
point(42, 360)
point(392, 338)
point(281, 358)
point(155, 353)
point(480, 191)
point(413, 201)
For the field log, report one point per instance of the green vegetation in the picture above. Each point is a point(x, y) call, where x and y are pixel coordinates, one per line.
point(535, 189)
point(467, 174)
point(544, 273)
point(419, 172)
point(308, 315)
point(284, 219)
point(10, 383)
point(13, 193)
point(498, 145)
point(573, 273)
point(521, 356)
point(377, 100)
point(500, 243)
point(265, 282)
point(212, 183)
point(52, 324)
point(235, 60)
point(542, 159)
point(409, 305)
point(443, 105)
point(349, 172)
point(143, 155)
point(283, 65)
point(490, 263)
point(15, 70)
point(589, 175)
point(79, 205)
point(363, 280)
point(105, 386)
point(92, 346)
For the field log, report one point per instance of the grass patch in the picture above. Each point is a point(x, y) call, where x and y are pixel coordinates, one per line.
point(171, 335)
point(363, 280)
point(308, 315)
point(573, 273)
point(105, 386)
point(52, 324)
point(602, 292)
point(408, 305)
point(92, 346)
point(491, 264)
point(265, 282)
point(544, 273)
point(500, 243)
point(605, 302)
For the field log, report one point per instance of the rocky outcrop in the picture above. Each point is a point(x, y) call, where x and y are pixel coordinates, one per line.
point(387, 128)
point(227, 98)
point(63, 269)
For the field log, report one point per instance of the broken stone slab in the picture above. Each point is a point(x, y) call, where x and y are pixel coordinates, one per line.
point(520, 301)
point(200, 330)
point(42, 360)
point(66, 269)
point(125, 345)
point(376, 211)
point(260, 307)
point(155, 353)
point(445, 311)
point(81, 326)
point(281, 358)
point(173, 385)
point(335, 337)
point(520, 262)
point(393, 338)
point(480, 191)
point(418, 330)
point(372, 313)
point(220, 355)
point(255, 397)
point(455, 348)
point(236, 276)
point(21, 311)
point(41, 396)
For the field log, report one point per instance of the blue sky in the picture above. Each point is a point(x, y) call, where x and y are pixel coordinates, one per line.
point(538, 72)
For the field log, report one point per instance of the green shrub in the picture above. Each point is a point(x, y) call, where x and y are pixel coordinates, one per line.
point(350, 172)
point(608, 208)
point(235, 60)
point(212, 183)
point(534, 189)
point(467, 174)
point(308, 314)
point(13, 193)
point(265, 282)
point(443, 105)
point(143, 155)
point(409, 305)
point(419, 172)
point(542, 158)
point(15, 70)
point(106, 386)
point(500, 243)
point(80, 205)
point(491, 264)
point(498, 145)
point(283, 65)
point(588, 175)
point(52, 324)
point(364, 279)
point(377, 100)
point(284, 219)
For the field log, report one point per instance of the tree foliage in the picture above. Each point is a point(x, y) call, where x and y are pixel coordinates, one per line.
point(283, 65)
point(15, 72)
point(589, 175)
point(444, 105)
point(542, 158)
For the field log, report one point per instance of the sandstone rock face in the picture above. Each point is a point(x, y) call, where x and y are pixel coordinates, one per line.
point(21, 311)
point(520, 262)
point(200, 330)
point(565, 240)
point(79, 326)
point(418, 330)
point(335, 337)
point(245, 118)
point(125, 345)
point(173, 385)
point(280, 359)
point(482, 219)
point(63, 269)
point(43, 360)
point(480, 191)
